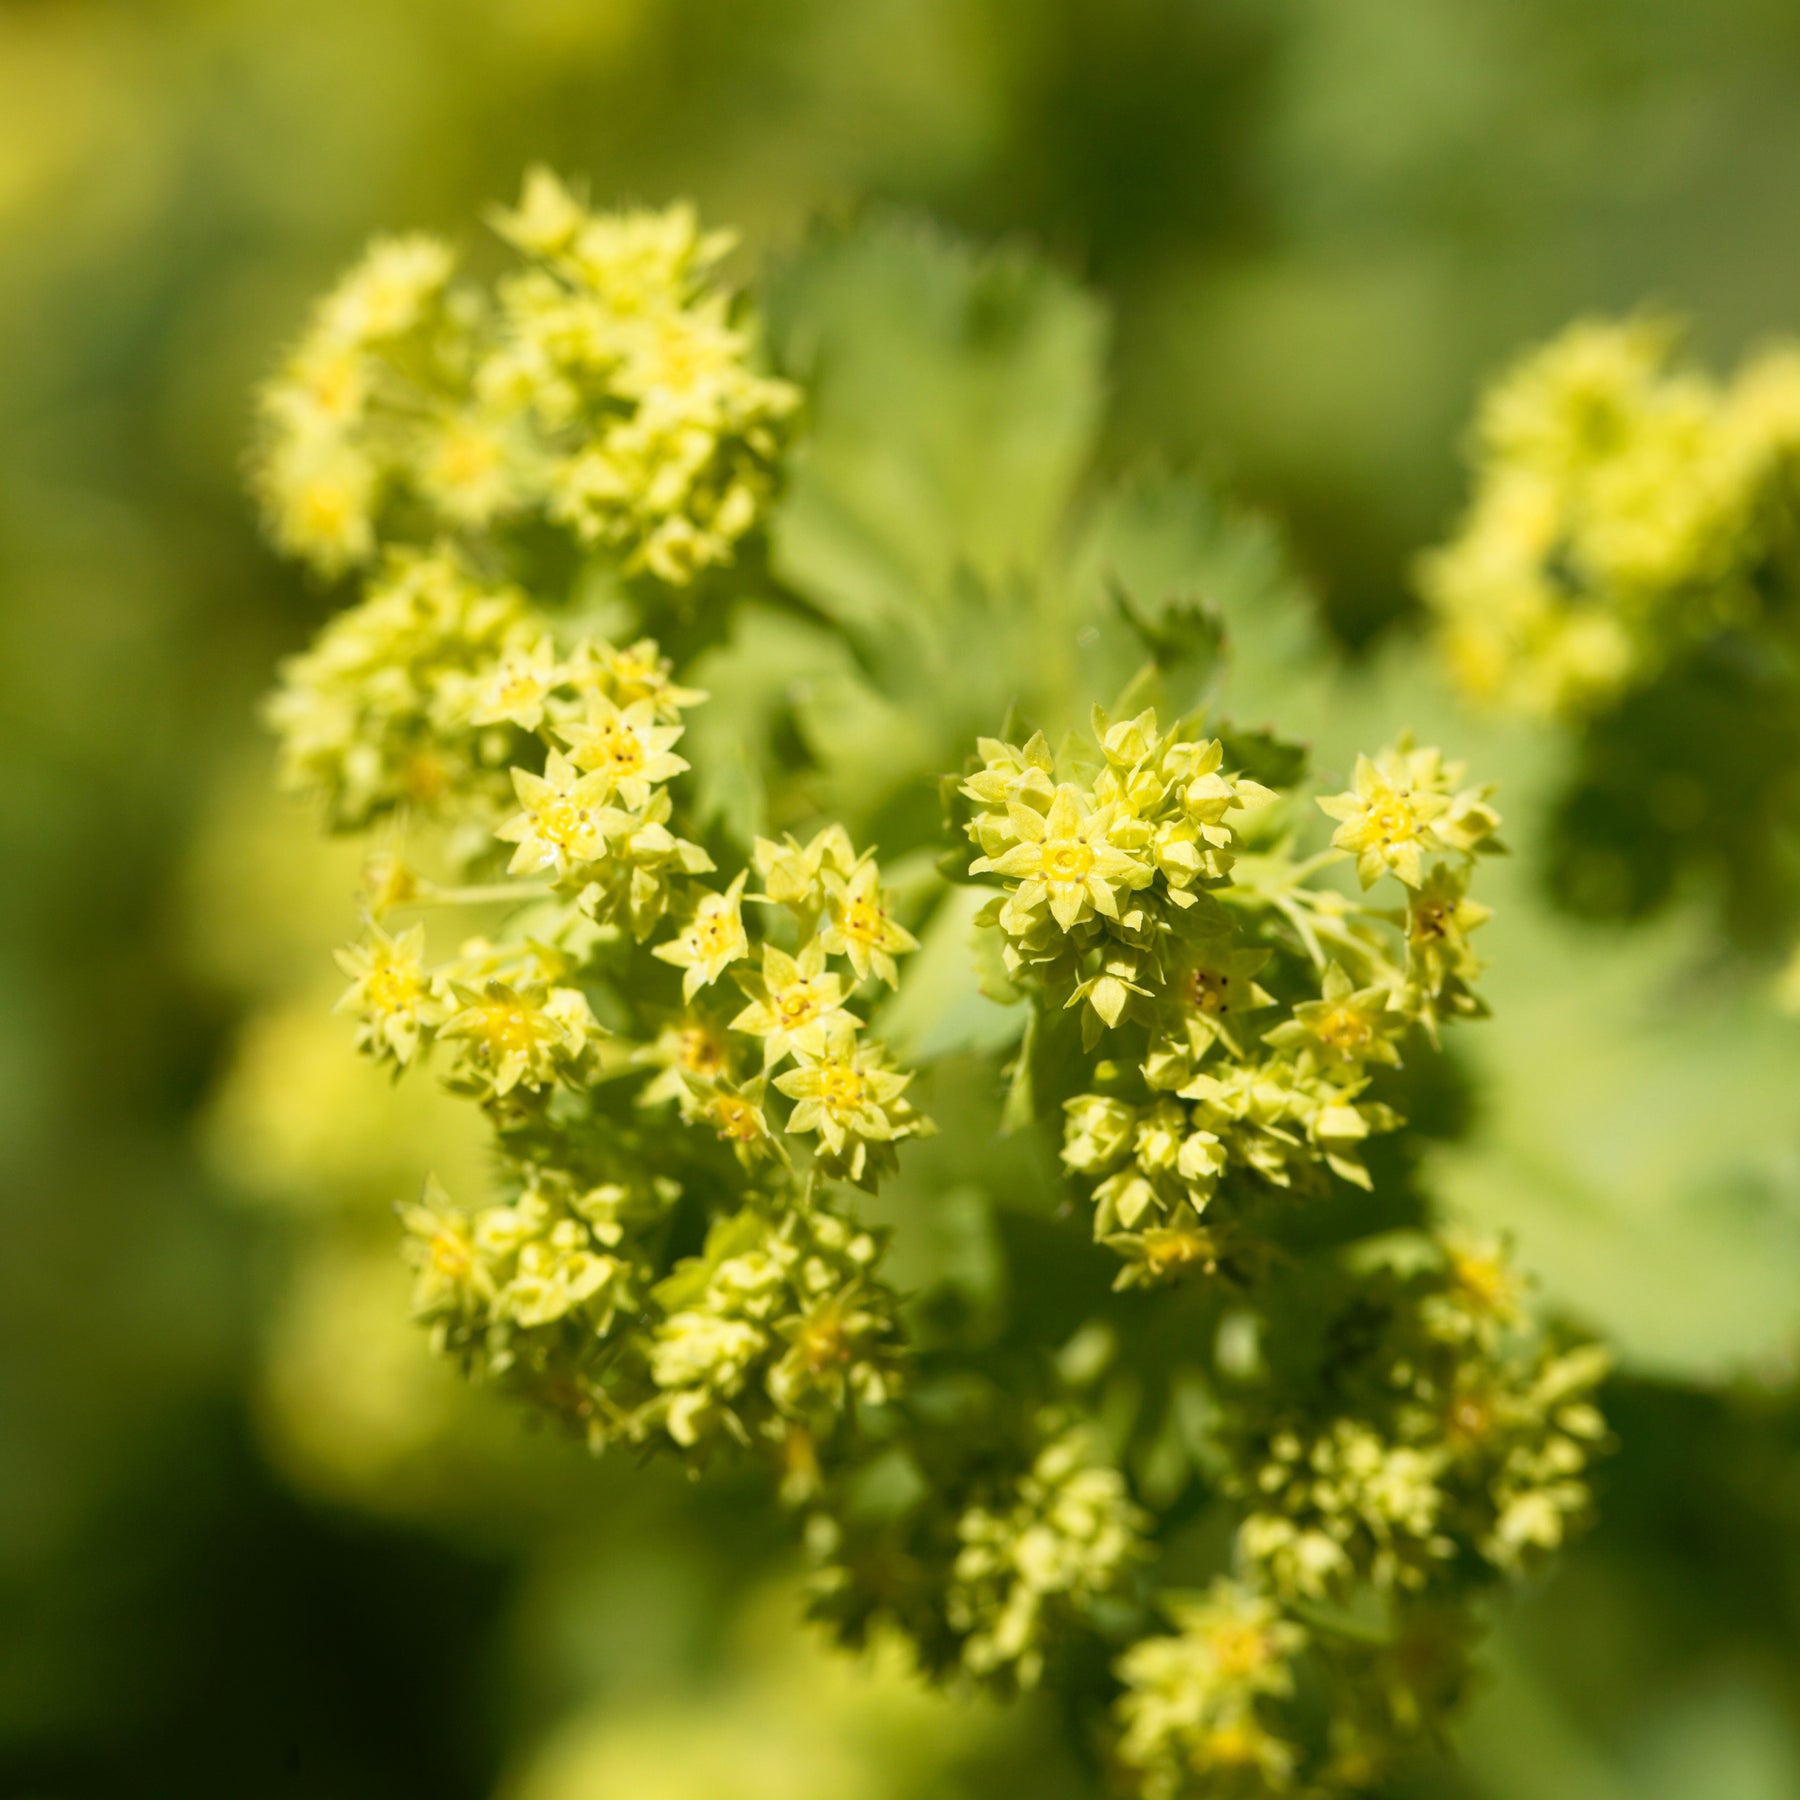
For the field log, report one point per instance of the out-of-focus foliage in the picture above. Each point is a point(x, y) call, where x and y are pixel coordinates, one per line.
point(1322, 228)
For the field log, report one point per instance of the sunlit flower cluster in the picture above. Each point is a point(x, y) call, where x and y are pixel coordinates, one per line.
point(1454, 1431)
point(566, 1293)
point(673, 1038)
point(1253, 1004)
point(609, 386)
point(1199, 1712)
point(1064, 1537)
point(1625, 504)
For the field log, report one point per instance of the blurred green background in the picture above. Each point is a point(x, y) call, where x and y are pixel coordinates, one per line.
point(251, 1541)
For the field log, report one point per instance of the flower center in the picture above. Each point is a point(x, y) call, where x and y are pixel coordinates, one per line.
point(823, 1341)
point(621, 751)
point(1431, 920)
point(1176, 1249)
point(1207, 990)
point(507, 1027)
point(1067, 862)
point(841, 1087)
point(736, 1119)
point(1393, 822)
point(1239, 1649)
point(700, 1050)
point(325, 509)
point(712, 934)
point(796, 1006)
point(391, 989)
point(561, 822)
point(450, 1255)
point(863, 920)
point(1344, 1029)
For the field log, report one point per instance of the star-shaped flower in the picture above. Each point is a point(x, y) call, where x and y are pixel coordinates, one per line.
point(1065, 859)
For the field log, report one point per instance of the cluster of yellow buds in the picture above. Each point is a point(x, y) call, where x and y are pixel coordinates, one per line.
point(1258, 1003)
point(1015, 1538)
point(1625, 504)
point(608, 385)
point(1427, 1433)
point(674, 1044)
point(1198, 1709)
point(634, 1281)
point(1107, 865)
point(780, 1315)
point(1034, 1565)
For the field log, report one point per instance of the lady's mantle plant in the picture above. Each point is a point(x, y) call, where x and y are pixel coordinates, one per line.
point(1629, 563)
point(674, 1031)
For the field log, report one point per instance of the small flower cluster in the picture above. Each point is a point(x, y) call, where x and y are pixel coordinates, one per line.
point(1065, 1536)
point(1438, 1445)
point(1258, 1006)
point(605, 386)
point(1105, 866)
point(379, 714)
point(775, 1328)
point(1443, 1431)
point(669, 1258)
point(1624, 503)
point(565, 1293)
point(992, 1544)
point(1198, 1710)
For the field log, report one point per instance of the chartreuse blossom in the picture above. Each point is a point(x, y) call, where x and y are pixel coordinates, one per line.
point(677, 1051)
point(1201, 1707)
point(390, 992)
point(1625, 504)
point(1029, 1567)
point(428, 431)
point(608, 384)
point(1257, 1008)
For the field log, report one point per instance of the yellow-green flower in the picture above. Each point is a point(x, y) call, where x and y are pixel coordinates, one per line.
point(711, 942)
point(440, 1243)
point(846, 1093)
point(390, 991)
point(526, 1035)
point(547, 218)
point(739, 1115)
point(1439, 917)
point(793, 874)
point(1347, 1025)
point(795, 1002)
point(639, 672)
point(626, 746)
point(565, 822)
point(386, 294)
point(690, 1052)
point(516, 689)
point(859, 925)
point(1387, 818)
point(1065, 860)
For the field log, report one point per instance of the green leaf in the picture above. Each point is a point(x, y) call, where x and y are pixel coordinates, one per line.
point(944, 1006)
point(955, 398)
point(1186, 641)
point(1265, 757)
point(1177, 535)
